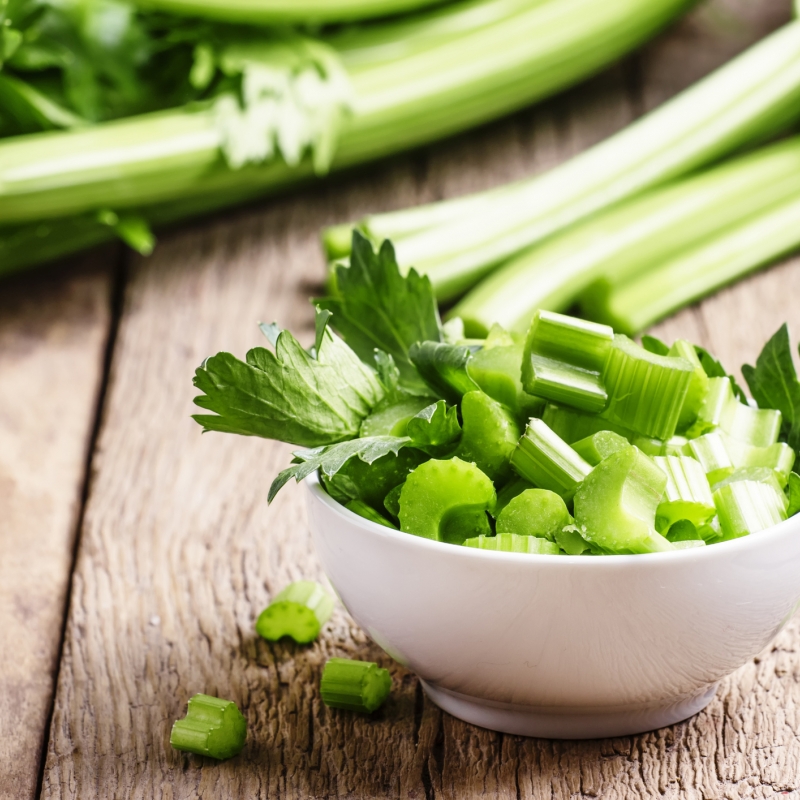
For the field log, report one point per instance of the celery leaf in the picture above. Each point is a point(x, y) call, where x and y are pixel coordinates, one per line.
point(375, 307)
point(773, 383)
point(288, 395)
point(444, 368)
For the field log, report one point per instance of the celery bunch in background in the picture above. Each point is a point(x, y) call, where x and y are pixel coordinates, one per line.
point(145, 117)
point(629, 228)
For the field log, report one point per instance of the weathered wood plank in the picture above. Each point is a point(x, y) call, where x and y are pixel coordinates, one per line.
point(179, 551)
point(53, 331)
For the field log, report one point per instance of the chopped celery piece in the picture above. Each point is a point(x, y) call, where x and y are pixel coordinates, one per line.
point(446, 501)
point(363, 510)
point(497, 371)
point(391, 417)
point(646, 392)
point(573, 425)
point(712, 453)
point(793, 490)
point(779, 457)
point(688, 544)
point(615, 506)
point(392, 501)
point(687, 495)
point(547, 461)
point(490, 434)
point(354, 685)
point(599, 445)
point(575, 341)
point(746, 507)
point(534, 512)
point(563, 359)
point(515, 487)
point(681, 531)
point(674, 446)
point(763, 475)
point(698, 385)
point(571, 542)
point(758, 427)
point(370, 483)
point(514, 543)
point(299, 611)
point(212, 727)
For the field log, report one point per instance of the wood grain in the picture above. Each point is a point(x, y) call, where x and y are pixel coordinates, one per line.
point(53, 331)
point(179, 551)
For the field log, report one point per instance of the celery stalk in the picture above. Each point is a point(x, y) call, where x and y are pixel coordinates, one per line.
point(687, 495)
point(514, 543)
point(445, 87)
point(746, 507)
point(599, 445)
point(534, 512)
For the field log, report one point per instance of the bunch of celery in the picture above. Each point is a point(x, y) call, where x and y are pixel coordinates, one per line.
point(160, 117)
point(570, 440)
point(617, 210)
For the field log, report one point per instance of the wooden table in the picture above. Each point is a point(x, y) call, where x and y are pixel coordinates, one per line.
point(137, 553)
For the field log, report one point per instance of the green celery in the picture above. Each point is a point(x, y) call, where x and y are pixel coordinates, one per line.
point(212, 727)
point(514, 543)
point(779, 457)
point(615, 506)
point(354, 685)
point(368, 512)
point(392, 415)
point(698, 386)
point(651, 446)
point(571, 542)
point(299, 611)
point(658, 292)
point(687, 495)
point(534, 512)
point(563, 360)
point(599, 445)
point(711, 452)
point(547, 461)
point(688, 544)
point(515, 487)
point(446, 501)
point(646, 391)
point(572, 425)
point(747, 506)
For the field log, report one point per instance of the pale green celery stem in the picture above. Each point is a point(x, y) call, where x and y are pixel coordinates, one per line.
point(273, 12)
point(747, 507)
point(754, 94)
point(164, 157)
point(638, 304)
point(631, 237)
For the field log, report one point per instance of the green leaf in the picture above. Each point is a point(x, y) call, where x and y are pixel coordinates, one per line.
point(288, 395)
point(434, 426)
point(444, 368)
point(714, 369)
point(388, 374)
point(376, 307)
point(793, 490)
point(654, 345)
point(773, 383)
point(329, 460)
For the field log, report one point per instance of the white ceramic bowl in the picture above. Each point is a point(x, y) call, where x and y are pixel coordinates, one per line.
point(558, 646)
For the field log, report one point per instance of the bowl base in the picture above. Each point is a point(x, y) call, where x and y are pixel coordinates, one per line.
point(587, 723)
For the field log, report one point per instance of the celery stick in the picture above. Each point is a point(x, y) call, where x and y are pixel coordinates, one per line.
point(534, 512)
point(446, 501)
point(615, 506)
point(490, 435)
point(599, 445)
point(497, 371)
point(513, 543)
point(779, 457)
point(698, 385)
point(755, 475)
point(299, 611)
point(514, 488)
point(649, 445)
point(712, 453)
point(746, 507)
point(571, 542)
point(212, 727)
point(646, 392)
point(363, 510)
point(547, 461)
point(687, 495)
point(354, 685)
point(572, 425)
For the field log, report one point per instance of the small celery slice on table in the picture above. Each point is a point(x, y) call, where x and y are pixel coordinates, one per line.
point(514, 543)
point(534, 512)
point(547, 461)
point(687, 495)
point(299, 611)
point(212, 727)
point(446, 500)
point(354, 685)
point(646, 392)
point(615, 506)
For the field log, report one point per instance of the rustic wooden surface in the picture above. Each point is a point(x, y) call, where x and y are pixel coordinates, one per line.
point(178, 551)
point(53, 331)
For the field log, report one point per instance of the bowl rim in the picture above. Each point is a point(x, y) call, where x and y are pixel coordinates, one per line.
point(742, 544)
